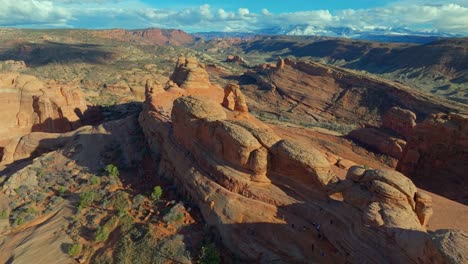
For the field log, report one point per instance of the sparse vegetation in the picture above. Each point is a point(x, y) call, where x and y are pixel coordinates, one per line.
point(86, 199)
point(209, 255)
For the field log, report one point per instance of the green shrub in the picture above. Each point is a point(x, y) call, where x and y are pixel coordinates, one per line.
point(209, 255)
point(75, 250)
point(4, 214)
point(101, 235)
point(103, 232)
point(112, 170)
point(19, 221)
point(86, 199)
point(62, 189)
point(157, 193)
point(94, 180)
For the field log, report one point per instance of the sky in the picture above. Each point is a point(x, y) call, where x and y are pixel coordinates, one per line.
point(449, 16)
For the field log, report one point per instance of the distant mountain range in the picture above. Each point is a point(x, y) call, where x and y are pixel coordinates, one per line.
point(373, 34)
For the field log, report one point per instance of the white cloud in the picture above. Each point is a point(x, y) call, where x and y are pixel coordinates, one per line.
point(31, 12)
point(424, 15)
point(243, 12)
point(265, 12)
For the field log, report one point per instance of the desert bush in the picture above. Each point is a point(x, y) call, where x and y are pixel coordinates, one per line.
point(126, 223)
point(23, 215)
point(209, 255)
point(4, 214)
point(103, 232)
point(112, 170)
point(87, 198)
point(75, 250)
point(175, 214)
point(62, 189)
point(22, 191)
point(94, 180)
point(120, 202)
point(38, 197)
point(138, 200)
point(101, 235)
point(140, 246)
point(157, 193)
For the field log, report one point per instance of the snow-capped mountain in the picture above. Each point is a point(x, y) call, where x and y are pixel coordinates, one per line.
point(369, 33)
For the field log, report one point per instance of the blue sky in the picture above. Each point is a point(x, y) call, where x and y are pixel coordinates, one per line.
point(450, 16)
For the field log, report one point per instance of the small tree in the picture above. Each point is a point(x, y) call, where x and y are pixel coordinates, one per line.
point(157, 193)
point(112, 170)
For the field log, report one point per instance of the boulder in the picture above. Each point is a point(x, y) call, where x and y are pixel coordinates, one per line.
point(399, 120)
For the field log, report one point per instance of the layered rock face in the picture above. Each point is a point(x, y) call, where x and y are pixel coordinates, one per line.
point(29, 105)
point(437, 152)
point(273, 200)
point(313, 93)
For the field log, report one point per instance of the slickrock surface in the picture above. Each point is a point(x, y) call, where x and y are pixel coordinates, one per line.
point(274, 200)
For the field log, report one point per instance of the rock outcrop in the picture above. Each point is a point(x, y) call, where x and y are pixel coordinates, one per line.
point(189, 73)
point(400, 120)
point(436, 153)
point(234, 99)
point(235, 59)
point(271, 199)
point(386, 197)
point(29, 105)
point(379, 140)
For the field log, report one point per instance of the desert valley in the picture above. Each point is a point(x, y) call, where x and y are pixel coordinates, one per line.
point(159, 146)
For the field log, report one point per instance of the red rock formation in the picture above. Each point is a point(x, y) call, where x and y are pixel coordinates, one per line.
point(399, 120)
point(269, 198)
point(235, 59)
point(436, 154)
point(379, 140)
point(28, 105)
point(234, 99)
point(148, 36)
point(189, 74)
